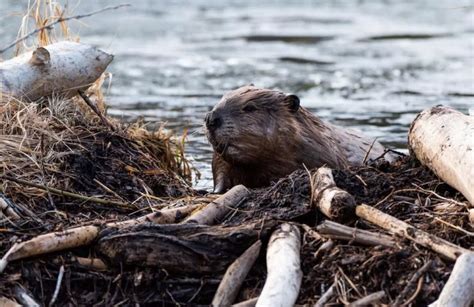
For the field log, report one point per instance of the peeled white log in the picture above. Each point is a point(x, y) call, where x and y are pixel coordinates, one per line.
point(61, 68)
point(332, 201)
point(459, 290)
point(235, 275)
point(283, 268)
point(217, 209)
point(443, 140)
point(50, 242)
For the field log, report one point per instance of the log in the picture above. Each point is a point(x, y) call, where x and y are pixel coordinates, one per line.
point(61, 68)
point(284, 274)
point(5, 302)
point(181, 248)
point(84, 235)
point(217, 209)
point(338, 231)
point(49, 243)
point(393, 225)
point(332, 201)
point(443, 140)
point(459, 290)
point(235, 275)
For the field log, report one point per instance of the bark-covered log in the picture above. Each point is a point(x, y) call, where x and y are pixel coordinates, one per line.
point(284, 274)
point(235, 276)
point(443, 140)
point(62, 68)
point(181, 248)
point(332, 201)
point(459, 290)
point(392, 224)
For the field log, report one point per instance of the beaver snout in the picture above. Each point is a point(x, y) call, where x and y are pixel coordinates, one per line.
point(213, 121)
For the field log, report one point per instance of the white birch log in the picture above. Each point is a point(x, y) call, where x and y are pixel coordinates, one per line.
point(61, 68)
point(284, 275)
point(235, 275)
point(459, 290)
point(332, 201)
point(443, 140)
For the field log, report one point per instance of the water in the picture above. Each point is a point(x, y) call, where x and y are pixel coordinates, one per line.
point(372, 65)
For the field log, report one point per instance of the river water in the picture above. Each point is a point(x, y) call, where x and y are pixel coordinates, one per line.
point(371, 65)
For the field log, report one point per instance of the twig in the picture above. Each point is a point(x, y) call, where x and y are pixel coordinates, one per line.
point(326, 296)
point(59, 20)
point(58, 286)
point(368, 151)
point(369, 299)
point(413, 280)
point(68, 194)
point(94, 108)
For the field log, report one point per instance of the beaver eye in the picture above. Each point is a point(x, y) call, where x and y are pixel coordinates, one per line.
point(249, 108)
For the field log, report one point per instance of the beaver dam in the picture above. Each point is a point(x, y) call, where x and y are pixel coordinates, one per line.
point(98, 212)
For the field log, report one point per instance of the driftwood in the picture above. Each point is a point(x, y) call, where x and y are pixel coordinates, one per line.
point(442, 139)
point(235, 276)
point(337, 231)
point(459, 290)
point(332, 201)
point(181, 248)
point(62, 68)
point(84, 235)
point(50, 242)
point(447, 249)
point(284, 273)
point(216, 210)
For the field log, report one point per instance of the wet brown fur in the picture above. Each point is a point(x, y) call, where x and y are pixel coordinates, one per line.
point(264, 135)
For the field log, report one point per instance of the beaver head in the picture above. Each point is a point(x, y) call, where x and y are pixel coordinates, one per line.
point(247, 125)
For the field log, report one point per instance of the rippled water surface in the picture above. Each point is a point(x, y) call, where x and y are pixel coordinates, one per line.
point(371, 65)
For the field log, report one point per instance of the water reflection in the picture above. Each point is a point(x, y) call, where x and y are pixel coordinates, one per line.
point(371, 65)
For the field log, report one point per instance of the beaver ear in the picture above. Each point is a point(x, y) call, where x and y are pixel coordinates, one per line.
point(293, 102)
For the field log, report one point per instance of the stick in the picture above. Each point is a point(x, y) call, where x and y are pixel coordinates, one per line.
point(332, 201)
point(5, 302)
point(337, 231)
point(58, 286)
point(447, 249)
point(92, 263)
point(7, 206)
point(284, 275)
point(459, 290)
point(69, 194)
point(412, 283)
point(217, 209)
point(59, 20)
point(94, 108)
point(369, 299)
point(235, 276)
point(24, 297)
point(326, 296)
point(165, 216)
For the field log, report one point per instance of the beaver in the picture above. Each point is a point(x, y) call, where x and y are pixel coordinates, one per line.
point(259, 135)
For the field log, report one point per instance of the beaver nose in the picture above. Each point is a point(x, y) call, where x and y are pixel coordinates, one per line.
point(213, 121)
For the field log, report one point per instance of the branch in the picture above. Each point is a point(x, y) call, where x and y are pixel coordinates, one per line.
point(59, 20)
